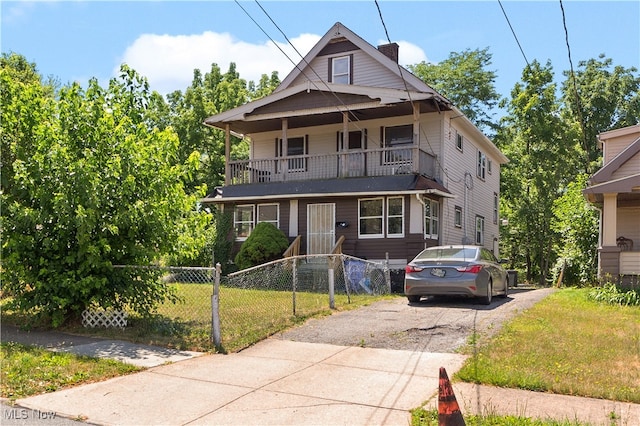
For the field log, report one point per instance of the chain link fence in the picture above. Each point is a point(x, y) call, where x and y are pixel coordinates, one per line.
point(228, 313)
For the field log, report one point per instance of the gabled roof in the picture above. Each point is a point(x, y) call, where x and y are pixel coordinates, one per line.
point(340, 31)
point(607, 171)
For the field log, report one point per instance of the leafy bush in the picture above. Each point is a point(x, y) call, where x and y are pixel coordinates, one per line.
point(613, 295)
point(264, 244)
point(88, 184)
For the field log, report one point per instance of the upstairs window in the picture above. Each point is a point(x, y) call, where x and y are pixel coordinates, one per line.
point(400, 137)
point(297, 148)
point(482, 165)
point(341, 70)
point(459, 141)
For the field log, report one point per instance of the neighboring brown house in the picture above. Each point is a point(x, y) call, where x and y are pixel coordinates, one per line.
point(351, 144)
point(615, 191)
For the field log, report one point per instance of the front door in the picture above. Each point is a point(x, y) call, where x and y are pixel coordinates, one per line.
point(321, 232)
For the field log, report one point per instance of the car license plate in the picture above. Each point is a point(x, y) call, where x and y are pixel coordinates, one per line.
point(438, 272)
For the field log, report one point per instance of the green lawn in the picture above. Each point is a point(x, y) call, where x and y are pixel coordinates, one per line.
point(566, 344)
point(28, 370)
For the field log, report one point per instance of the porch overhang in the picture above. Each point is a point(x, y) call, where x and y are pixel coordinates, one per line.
point(348, 187)
point(324, 103)
point(627, 188)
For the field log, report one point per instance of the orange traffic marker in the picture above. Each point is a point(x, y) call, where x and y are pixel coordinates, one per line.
point(449, 413)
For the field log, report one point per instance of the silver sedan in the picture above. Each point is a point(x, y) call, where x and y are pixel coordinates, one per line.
point(462, 270)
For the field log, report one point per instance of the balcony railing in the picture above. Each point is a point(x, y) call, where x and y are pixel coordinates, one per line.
point(372, 162)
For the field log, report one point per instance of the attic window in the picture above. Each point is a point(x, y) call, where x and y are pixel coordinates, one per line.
point(340, 70)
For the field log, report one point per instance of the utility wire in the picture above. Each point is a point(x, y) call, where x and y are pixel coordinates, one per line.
point(514, 33)
point(422, 131)
point(349, 112)
point(575, 90)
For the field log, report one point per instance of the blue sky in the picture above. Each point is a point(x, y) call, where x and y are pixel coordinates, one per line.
point(166, 40)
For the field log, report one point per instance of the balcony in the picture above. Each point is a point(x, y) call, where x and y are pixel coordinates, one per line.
point(371, 162)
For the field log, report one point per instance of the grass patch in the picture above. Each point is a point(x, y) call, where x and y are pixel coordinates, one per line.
point(246, 317)
point(422, 417)
point(566, 344)
point(29, 370)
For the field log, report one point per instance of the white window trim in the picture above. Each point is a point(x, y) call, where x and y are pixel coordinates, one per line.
point(401, 216)
point(432, 204)
point(479, 230)
point(347, 73)
point(277, 221)
point(365, 236)
point(251, 222)
point(496, 207)
point(457, 214)
point(481, 169)
point(459, 142)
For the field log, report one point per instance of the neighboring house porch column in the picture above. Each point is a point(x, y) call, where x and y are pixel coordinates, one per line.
point(415, 164)
point(609, 251)
point(227, 153)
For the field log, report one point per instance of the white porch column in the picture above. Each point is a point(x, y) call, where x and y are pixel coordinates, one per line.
point(415, 164)
point(285, 149)
point(609, 220)
point(344, 164)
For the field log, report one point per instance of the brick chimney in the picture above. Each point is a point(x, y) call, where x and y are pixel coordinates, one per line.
point(390, 50)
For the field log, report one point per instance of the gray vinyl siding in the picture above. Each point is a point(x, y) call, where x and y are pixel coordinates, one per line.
point(366, 71)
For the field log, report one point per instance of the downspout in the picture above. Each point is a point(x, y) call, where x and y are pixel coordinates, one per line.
point(421, 201)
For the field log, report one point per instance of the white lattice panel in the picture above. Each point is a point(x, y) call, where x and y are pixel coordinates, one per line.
point(93, 318)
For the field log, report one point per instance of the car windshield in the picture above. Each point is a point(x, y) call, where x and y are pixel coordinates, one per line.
point(448, 253)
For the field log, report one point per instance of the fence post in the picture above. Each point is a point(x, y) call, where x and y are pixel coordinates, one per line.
point(215, 309)
point(295, 281)
point(332, 301)
point(387, 272)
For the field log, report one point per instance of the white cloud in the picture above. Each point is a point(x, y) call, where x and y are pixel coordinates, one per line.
point(410, 54)
point(168, 61)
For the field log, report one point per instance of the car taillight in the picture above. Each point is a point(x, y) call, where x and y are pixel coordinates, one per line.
point(472, 269)
point(411, 269)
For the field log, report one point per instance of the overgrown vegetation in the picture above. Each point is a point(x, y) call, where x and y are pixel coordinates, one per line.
point(614, 295)
point(29, 370)
point(264, 244)
point(566, 344)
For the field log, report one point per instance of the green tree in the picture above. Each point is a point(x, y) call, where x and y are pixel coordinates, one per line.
point(542, 153)
point(464, 78)
point(577, 223)
point(91, 185)
point(600, 97)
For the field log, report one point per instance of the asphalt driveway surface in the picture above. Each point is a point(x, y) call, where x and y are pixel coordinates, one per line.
point(433, 325)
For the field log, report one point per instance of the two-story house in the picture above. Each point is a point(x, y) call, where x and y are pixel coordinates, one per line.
point(351, 144)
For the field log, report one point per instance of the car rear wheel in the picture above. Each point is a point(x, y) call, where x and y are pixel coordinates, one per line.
point(413, 299)
point(486, 300)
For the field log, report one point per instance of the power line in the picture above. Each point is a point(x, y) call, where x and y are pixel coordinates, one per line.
point(514, 33)
point(349, 112)
point(575, 88)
